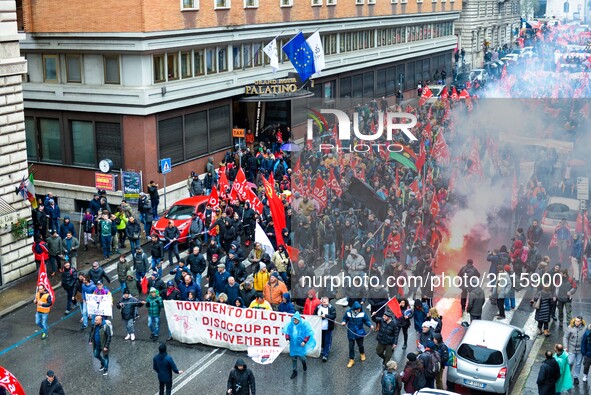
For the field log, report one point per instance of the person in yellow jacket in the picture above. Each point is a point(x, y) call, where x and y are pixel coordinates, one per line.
point(281, 261)
point(261, 278)
point(274, 290)
point(43, 301)
point(260, 303)
point(121, 223)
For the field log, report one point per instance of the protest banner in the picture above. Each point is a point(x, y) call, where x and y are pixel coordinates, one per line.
point(231, 327)
point(100, 305)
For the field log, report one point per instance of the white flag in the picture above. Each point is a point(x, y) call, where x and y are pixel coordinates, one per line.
point(271, 51)
point(315, 44)
point(264, 355)
point(261, 237)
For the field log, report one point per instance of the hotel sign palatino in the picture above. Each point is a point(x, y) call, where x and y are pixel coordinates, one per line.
point(269, 87)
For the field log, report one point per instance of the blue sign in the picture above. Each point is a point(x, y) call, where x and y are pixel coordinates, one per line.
point(165, 165)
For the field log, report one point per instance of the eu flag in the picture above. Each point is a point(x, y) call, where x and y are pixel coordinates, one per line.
point(301, 56)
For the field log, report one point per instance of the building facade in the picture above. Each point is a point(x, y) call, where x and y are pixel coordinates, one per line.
point(141, 80)
point(15, 246)
point(486, 24)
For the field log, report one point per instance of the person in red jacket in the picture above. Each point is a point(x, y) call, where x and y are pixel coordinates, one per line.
point(40, 251)
point(311, 303)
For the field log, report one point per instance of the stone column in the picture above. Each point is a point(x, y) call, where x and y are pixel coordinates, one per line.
point(16, 258)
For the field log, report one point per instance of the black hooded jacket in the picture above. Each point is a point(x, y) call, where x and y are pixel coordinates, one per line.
point(53, 388)
point(241, 382)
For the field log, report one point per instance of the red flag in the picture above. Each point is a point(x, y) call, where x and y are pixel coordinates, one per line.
point(553, 241)
point(223, 185)
point(144, 285)
point(254, 200)
point(475, 166)
point(422, 157)
point(504, 72)
point(42, 279)
point(440, 150)
point(444, 94)
point(429, 117)
point(454, 94)
point(372, 260)
point(10, 383)
point(585, 270)
point(429, 179)
point(334, 184)
point(434, 206)
point(294, 253)
point(414, 186)
point(579, 223)
point(427, 94)
point(319, 193)
point(394, 306)
point(277, 210)
point(397, 178)
point(464, 94)
point(514, 193)
point(214, 199)
point(239, 187)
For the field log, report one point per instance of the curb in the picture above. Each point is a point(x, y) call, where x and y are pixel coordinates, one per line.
point(526, 370)
point(23, 303)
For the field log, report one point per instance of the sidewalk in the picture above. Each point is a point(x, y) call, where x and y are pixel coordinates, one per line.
point(15, 295)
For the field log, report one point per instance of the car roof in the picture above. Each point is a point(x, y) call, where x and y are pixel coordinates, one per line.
point(436, 86)
point(572, 204)
point(191, 201)
point(491, 334)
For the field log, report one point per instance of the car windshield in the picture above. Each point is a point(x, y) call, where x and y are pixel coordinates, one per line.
point(180, 212)
point(561, 210)
point(435, 91)
point(463, 77)
point(480, 354)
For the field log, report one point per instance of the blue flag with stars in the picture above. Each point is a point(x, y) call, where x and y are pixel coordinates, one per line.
point(301, 56)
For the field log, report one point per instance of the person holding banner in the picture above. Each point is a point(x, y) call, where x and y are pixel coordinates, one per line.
point(43, 301)
point(241, 380)
point(354, 319)
point(301, 341)
point(328, 313)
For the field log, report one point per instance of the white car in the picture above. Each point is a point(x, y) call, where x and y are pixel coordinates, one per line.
point(479, 74)
point(527, 52)
point(557, 209)
point(436, 90)
point(488, 357)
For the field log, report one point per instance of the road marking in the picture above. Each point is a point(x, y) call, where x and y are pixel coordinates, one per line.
point(187, 379)
point(195, 365)
point(526, 370)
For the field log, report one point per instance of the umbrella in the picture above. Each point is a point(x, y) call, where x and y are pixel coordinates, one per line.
point(290, 147)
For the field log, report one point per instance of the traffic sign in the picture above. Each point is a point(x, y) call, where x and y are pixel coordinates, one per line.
point(583, 188)
point(165, 165)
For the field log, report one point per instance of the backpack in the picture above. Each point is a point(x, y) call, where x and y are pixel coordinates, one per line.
point(419, 381)
point(433, 364)
point(389, 383)
point(38, 249)
point(444, 353)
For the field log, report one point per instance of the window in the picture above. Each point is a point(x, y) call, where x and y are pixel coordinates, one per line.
point(186, 64)
point(237, 56)
point(50, 66)
point(403, 1)
point(286, 3)
point(331, 2)
point(210, 60)
point(198, 64)
point(481, 355)
point(83, 152)
point(222, 59)
point(251, 3)
point(196, 139)
point(73, 68)
point(368, 84)
point(112, 75)
point(170, 139)
point(159, 68)
point(371, 1)
point(109, 144)
point(316, 3)
point(189, 5)
point(345, 87)
point(391, 81)
point(221, 4)
point(31, 136)
point(393, 1)
point(257, 50)
point(51, 140)
point(247, 54)
point(172, 62)
point(329, 92)
point(220, 134)
point(359, 2)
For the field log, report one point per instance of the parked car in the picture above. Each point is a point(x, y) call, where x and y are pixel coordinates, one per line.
point(558, 208)
point(461, 80)
point(488, 357)
point(479, 74)
point(181, 214)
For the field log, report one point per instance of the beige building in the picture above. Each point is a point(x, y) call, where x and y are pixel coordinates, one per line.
point(15, 252)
